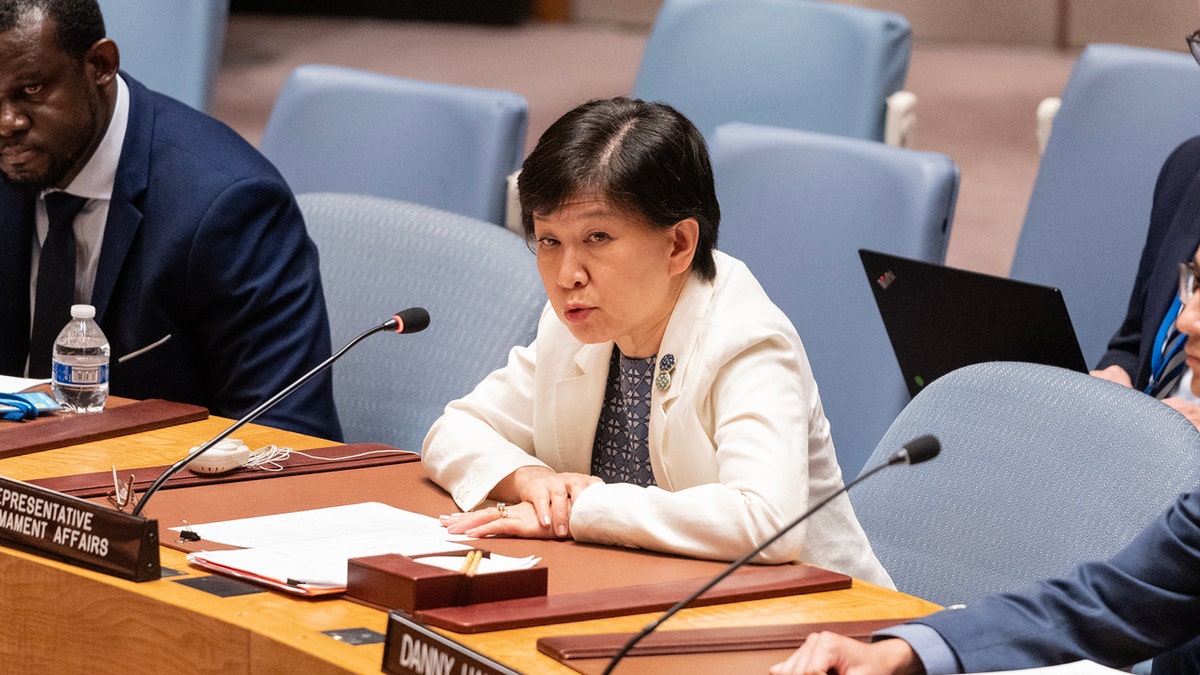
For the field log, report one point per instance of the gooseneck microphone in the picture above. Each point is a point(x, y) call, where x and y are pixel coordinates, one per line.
point(913, 452)
point(411, 320)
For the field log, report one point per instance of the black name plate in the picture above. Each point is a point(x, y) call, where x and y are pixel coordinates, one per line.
point(412, 649)
point(77, 531)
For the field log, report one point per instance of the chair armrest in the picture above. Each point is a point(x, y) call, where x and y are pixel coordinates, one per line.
point(512, 205)
point(901, 119)
point(1046, 111)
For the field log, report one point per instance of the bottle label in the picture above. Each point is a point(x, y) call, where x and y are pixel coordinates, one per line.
point(80, 375)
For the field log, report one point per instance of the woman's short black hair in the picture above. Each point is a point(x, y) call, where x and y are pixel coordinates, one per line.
point(645, 158)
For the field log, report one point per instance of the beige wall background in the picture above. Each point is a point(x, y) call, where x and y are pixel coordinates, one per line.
point(1161, 24)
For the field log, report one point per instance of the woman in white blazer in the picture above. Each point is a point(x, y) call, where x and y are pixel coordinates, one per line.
point(666, 403)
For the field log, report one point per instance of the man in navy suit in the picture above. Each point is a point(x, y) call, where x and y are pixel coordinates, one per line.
point(1142, 603)
point(190, 244)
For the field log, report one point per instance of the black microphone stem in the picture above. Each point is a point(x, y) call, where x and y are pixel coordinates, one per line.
point(902, 456)
point(253, 415)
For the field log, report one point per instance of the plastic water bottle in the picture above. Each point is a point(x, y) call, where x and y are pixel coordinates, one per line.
point(80, 372)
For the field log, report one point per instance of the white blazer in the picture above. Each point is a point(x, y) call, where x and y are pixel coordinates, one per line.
point(739, 443)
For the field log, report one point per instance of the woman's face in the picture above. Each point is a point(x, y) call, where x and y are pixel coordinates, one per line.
point(610, 274)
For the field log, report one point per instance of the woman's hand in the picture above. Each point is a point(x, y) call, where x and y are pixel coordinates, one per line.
point(543, 511)
point(516, 520)
point(548, 492)
point(551, 495)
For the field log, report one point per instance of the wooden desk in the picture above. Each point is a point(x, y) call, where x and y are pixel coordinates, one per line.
point(60, 618)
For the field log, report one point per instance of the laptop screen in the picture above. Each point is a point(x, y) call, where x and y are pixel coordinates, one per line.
point(940, 318)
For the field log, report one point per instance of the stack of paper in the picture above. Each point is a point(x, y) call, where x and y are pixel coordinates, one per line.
point(306, 552)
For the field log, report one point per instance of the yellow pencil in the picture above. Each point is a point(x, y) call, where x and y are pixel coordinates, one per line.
point(471, 562)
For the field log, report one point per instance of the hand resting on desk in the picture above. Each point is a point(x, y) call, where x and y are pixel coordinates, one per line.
point(543, 511)
point(517, 520)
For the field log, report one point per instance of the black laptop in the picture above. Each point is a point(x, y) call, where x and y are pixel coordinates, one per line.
point(939, 318)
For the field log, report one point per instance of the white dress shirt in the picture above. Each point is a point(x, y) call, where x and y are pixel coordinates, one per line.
point(95, 181)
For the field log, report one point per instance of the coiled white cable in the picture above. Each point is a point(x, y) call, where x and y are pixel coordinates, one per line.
point(271, 457)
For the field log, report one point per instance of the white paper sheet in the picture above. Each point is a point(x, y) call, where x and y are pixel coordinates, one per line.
point(373, 519)
point(318, 562)
point(310, 548)
point(12, 385)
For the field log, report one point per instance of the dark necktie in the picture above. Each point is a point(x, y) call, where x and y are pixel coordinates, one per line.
point(55, 282)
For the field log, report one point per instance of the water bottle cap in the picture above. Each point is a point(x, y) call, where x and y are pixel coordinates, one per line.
point(83, 312)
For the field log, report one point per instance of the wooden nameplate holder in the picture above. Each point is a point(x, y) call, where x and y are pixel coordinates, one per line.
point(413, 649)
point(399, 582)
point(100, 483)
point(745, 649)
point(563, 648)
point(79, 532)
point(62, 429)
point(747, 583)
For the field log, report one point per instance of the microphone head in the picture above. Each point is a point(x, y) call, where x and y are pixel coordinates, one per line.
point(411, 320)
point(920, 449)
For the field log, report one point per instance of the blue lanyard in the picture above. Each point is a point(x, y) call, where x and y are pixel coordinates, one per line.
point(1162, 353)
point(18, 408)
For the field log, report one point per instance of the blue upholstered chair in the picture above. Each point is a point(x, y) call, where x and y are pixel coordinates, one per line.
point(796, 206)
point(337, 129)
point(1041, 469)
point(1123, 110)
point(805, 64)
point(170, 46)
point(478, 281)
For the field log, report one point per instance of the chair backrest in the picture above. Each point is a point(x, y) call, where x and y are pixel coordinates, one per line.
point(796, 206)
point(1123, 110)
point(172, 47)
point(1041, 469)
point(803, 64)
point(478, 281)
point(338, 129)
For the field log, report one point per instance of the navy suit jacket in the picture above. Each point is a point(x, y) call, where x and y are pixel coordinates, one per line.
point(1141, 603)
point(205, 243)
point(1173, 237)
